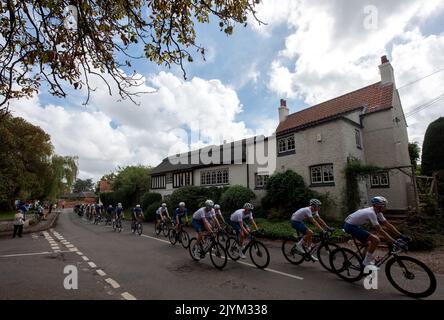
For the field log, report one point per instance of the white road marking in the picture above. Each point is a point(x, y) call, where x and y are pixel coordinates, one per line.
point(28, 254)
point(113, 283)
point(100, 272)
point(69, 246)
point(154, 238)
point(79, 253)
point(73, 249)
point(92, 264)
point(128, 296)
point(85, 258)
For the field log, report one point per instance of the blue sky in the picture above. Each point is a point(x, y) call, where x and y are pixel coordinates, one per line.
point(308, 52)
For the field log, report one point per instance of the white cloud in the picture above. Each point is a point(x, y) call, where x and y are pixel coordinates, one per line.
point(147, 132)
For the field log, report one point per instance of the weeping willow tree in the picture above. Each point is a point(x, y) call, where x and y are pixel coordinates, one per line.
point(64, 170)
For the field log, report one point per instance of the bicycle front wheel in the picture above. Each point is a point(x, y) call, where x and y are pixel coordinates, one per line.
point(194, 249)
point(259, 254)
point(232, 248)
point(172, 236)
point(218, 255)
point(157, 228)
point(324, 251)
point(291, 253)
point(346, 264)
point(165, 229)
point(185, 238)
point(411, 277)
point(139, 229)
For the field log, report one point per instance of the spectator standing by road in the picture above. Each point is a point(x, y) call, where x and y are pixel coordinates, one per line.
point(19, 221)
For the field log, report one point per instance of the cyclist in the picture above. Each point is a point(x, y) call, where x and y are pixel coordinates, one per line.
point(137, 216)
point(110, 213)
point(219, 215)
point(118, 213)
point(161, 213)
point(242, 229)
point(201, 220)
point(312, 214)
point(179, 213)
point(374, 215)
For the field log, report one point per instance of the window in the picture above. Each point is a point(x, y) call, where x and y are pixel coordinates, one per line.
point(182, 179)
point(358, 139)
point(261, 180)
point(322, 175)
point(214, 177)
point(158, 182)
point(286, 144)
point(380, 180)
point(169, 178)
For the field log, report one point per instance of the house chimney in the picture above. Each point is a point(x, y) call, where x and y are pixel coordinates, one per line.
point(386, 70)
point(283, 111)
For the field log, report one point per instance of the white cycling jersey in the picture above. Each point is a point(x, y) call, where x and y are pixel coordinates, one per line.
point(240, 215)
point(363, 216)
point(162, 210)
point(202, 213)
point(303, 213)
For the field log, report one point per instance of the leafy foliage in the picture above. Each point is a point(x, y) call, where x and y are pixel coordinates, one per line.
point(414, 152)
point(68, 42)
point(131, 183)
point(432, 156)
point(193, 196)
point(235, 197)
point(149, 198)
point(83, 185)
point(286, 191)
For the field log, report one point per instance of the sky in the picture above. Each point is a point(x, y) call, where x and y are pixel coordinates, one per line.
point(307, 52)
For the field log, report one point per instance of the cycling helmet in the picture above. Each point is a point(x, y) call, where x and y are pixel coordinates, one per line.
point(181, 204)
point(315, 203)
point(209, 203)
point(138, 206)
point(216, 206)
point(379, 201)
point(110, 206)
point(119, 205)
point(248, 206)
point(164, 205)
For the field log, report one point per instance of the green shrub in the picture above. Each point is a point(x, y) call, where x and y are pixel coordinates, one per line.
point(150, 211)
point(286, 192)
point(193, 196)
point(149, 198)
point(235, 197)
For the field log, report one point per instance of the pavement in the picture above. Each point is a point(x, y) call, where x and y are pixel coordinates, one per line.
point(125, 266)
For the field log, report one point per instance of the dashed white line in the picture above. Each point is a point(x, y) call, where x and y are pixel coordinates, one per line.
point(79, 253)
point(113, 283)
point(73, 249)
point(128, 296)
point(69, 246)
point(100, 272)
point(85, 258)
point(92, 264)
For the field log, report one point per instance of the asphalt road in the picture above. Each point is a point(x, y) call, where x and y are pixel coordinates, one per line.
point(128, 266)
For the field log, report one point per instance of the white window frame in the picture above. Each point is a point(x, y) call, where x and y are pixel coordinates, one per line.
point(324, 174)
point(214, 177)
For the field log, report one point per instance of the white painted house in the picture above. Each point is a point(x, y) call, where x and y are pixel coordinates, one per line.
point(367, 124)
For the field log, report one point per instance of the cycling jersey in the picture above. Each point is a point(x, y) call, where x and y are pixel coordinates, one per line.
point(119, 212)
point(303, 213)
point(137, 212)
point(363, 216)
point(162, 210)
point(180, 213)
point(240, 215)
point(202, 214)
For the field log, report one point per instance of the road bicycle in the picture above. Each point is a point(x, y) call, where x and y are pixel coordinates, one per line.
point(258, 252)
point(117, 224)
point(408, 275)
point(224, 232)
point(137, 227)
point(321, 246)
point(182, 236)
point(198, 251)
point(163, 227)
point(98, 218)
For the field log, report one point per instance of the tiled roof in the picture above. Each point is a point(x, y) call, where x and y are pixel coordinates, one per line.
point(373, 98)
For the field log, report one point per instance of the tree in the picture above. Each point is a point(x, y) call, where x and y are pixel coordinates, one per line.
point(414, 152)
point(432, 156)
point(83, 185)
point(64, 170)
point(131, 183)
point(68, 42)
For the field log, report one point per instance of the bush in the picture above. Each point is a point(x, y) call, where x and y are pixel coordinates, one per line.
point(150, 211)
point(149, 198)
point(286, 192)
point(193, 196)
point(235, 197)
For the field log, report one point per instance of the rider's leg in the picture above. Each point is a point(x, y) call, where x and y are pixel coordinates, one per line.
point(374, 242)
point(307, 239)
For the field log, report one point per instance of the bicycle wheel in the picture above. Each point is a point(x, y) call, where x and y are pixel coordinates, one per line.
point(410, 276)
point(291, 253)
point(323, 253)
point(119, 226)
point(346, 264)
point(222, 236)
point(232, 248)
point(157, 229)
point(218, 255)
point(165, 229)
point(194, 249)
point(139, 228)
point(259, 254)
point(172, 236)
point(114, 226)
point(185, 239)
